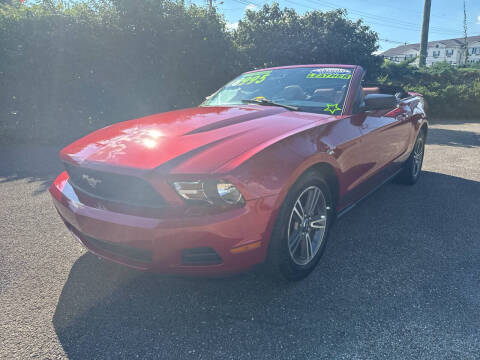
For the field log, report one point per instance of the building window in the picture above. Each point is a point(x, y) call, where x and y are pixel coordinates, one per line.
point(449, 52)
point(436, 53)
point(473, 51)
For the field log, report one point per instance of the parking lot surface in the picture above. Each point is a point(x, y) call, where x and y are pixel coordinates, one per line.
point(400, 279)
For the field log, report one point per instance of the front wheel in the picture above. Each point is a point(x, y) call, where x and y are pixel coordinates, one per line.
point(300, 233)
point(413, 165)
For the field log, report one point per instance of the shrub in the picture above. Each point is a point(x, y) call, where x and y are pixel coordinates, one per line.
point(449, 91)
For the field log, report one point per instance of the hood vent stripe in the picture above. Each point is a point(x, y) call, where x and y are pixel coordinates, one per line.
point(236, 120)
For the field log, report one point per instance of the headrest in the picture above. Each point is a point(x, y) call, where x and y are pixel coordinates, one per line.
point(371, 90)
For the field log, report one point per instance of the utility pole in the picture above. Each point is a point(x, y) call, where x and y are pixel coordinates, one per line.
point(425, 26)
point(211, 5)
point(465, 31)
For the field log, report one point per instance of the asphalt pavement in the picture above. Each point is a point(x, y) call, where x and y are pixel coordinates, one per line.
point(400, 279)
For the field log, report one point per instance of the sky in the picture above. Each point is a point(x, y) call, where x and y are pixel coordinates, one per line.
point(396, 21)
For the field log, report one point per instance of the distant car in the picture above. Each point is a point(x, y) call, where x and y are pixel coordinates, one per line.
point(255, 174)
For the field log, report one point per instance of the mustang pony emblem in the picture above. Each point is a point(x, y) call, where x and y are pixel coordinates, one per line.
point(91, 181)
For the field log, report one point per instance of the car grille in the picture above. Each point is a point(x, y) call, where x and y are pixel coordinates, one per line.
point(114, 187)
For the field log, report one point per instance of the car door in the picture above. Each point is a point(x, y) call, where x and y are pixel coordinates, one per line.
point(385, 135)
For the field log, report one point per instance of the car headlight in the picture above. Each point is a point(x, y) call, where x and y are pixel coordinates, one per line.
point(213, 192)
point(191, 190)
point(229, 193)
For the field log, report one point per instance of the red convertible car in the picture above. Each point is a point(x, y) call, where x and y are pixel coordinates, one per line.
point(256, 174)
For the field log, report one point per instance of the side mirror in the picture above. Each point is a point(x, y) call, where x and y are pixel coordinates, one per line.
point(379, 102)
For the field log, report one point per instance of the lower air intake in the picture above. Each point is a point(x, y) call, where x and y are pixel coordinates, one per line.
point(200, 256)
point(135, 254)
point(125, 251)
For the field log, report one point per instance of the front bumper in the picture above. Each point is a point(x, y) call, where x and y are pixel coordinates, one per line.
point(158, 244)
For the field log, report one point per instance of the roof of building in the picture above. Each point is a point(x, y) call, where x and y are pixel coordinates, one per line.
point(401, 50)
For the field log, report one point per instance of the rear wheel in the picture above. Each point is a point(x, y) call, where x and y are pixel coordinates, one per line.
point(413, 166)
point(300, 233)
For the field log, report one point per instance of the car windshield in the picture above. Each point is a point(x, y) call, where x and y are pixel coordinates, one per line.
point(310, 89)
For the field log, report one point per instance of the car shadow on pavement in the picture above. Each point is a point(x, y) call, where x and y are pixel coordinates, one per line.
point(457, 138)
point(400, 270)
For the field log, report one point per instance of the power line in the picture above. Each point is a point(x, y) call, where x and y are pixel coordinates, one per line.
point(409, 28)
point(389, 24)
point(383, 20)
point(393, 41)
point(377, 19)
point(409, 10)
point(245, 2)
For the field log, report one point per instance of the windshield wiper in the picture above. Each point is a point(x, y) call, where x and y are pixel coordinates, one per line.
point(270, 103)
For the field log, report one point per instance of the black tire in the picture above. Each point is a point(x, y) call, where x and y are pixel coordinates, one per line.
point(413, 166)
point(280, 261)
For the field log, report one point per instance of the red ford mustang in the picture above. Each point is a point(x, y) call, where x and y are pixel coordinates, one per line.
point(255, 174)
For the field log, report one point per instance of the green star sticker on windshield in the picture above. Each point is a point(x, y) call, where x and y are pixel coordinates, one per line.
point(332, 108)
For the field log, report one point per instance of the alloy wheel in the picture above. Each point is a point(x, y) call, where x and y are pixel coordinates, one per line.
point(307, 225)
point(418, 156)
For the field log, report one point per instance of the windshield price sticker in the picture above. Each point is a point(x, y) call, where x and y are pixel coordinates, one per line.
point(251, 78)
point(330, 73)
point(329, 76)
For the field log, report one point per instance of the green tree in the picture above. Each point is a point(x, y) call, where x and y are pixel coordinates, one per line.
point(68, 68)
point(272, 37)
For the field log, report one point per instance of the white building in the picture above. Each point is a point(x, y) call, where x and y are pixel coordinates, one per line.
point(452, 51)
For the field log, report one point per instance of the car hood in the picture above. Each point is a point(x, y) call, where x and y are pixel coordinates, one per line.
point(196, 140)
